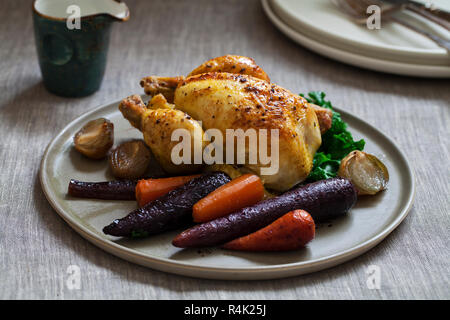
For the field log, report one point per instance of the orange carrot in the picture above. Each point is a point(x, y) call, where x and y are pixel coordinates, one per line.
point(290, 232)
point(241, 192)
point(151, 189)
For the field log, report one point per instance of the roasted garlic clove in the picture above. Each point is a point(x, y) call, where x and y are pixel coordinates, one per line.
point(130, 160)
point(368, 174)
point(95, 138)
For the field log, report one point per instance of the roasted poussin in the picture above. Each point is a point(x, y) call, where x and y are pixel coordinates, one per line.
point(233, 101)
point(230, 92)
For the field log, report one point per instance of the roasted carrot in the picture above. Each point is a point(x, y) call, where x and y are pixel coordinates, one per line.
point(241, 192)
point(324, 200)
point(151, 189)
point(171, 211)
point(290, 232)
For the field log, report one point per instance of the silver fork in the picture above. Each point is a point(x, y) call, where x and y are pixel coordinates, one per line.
point(436, 15)
point(356, 9)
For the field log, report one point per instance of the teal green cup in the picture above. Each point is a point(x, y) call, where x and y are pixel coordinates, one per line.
point(72, 40)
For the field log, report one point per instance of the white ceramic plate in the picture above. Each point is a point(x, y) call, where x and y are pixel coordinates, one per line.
point(359, 56)
point(369, 222)
point(323, 20)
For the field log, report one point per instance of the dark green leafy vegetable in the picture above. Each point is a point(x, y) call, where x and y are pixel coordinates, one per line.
point(337, 142)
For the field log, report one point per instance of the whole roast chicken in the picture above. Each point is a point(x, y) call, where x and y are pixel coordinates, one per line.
point(229, 92)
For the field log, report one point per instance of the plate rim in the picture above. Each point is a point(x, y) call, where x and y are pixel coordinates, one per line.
point(347, 57)
point(223, 273)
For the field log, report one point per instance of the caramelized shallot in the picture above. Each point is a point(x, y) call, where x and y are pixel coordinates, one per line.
point(95, 138)
point(368, 174)
point(130, 160)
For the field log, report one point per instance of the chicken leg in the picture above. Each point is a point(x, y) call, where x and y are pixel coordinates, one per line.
point(157, 121)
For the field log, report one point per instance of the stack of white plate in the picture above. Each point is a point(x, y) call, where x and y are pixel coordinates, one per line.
point(321, 27)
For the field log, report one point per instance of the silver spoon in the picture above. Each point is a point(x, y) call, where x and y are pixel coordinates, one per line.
point(357, 10)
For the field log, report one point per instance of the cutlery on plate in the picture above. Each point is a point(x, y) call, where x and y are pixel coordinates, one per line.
point(356, 9)
point(436, 15)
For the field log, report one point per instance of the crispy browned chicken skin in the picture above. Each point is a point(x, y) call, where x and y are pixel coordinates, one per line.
point(231, 92)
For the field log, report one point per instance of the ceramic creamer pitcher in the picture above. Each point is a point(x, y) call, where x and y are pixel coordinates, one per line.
point(72, 38)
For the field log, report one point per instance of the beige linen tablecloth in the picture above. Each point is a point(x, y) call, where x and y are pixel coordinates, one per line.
point(170, 38)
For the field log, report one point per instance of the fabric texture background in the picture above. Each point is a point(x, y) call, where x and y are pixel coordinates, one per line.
point(170, 38)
